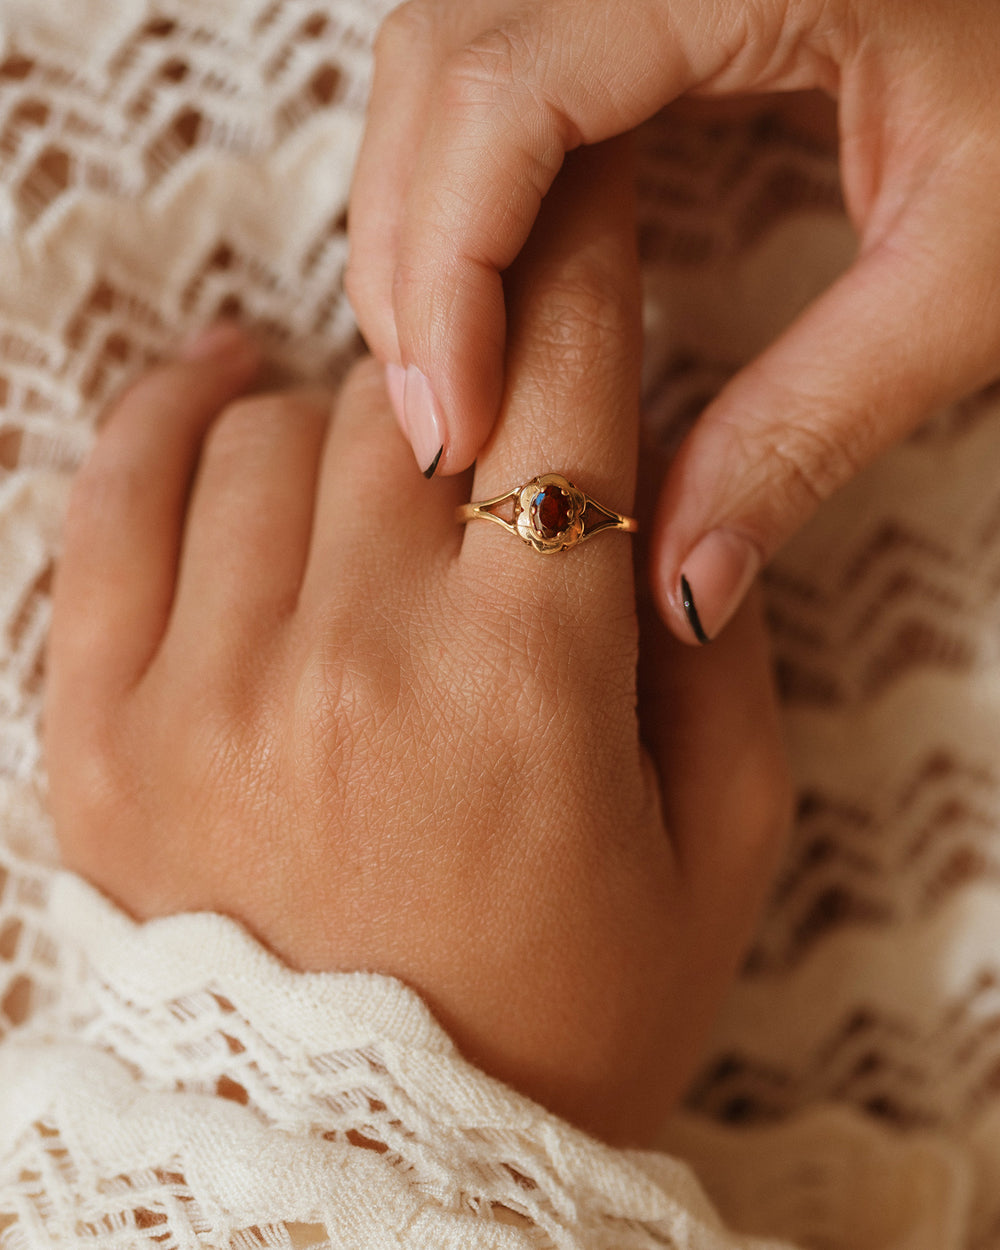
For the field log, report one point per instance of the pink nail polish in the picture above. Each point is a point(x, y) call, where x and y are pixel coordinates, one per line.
point(395, 384)
point(714, 580)
point(422, 420)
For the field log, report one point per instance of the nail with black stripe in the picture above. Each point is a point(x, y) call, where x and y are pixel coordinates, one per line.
point(687, 598)
point(424, 423)
point(429, 471)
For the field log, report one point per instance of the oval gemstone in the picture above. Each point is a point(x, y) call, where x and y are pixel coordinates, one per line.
point(550, 509)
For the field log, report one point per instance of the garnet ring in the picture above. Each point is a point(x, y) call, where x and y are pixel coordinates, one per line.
point(549, 513)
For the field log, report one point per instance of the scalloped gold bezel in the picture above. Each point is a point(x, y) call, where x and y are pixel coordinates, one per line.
point(525, 515)
point(586, 517)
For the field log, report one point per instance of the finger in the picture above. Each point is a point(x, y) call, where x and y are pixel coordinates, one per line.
point(571, 404)
point(249, 522)
point(411, 45)
point(861, 368)
point(504, 110)
point(698, 708)
point(405, 62)
point(123, 531)
point(372, 509)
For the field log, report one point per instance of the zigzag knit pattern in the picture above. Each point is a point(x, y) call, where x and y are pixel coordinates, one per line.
point(172, 1085)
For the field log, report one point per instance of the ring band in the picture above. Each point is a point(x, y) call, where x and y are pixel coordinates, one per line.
point(549, 513)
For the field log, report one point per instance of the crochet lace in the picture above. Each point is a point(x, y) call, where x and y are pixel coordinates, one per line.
point(173, 1085)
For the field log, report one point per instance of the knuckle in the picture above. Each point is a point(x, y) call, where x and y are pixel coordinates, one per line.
point(102, 493)
point(772, 796)
point(766, 799)
point(146, 389)
point(509, 628)
point(493, 66)
point(237, 759)
point(583, 316)
point(413, 275)
point(253, 421)
point(347, 695)
point(507, 74)
point(406, 24)
point(588, 300)
point(812, 460)
point(757, 812)
point(797, 463)
point(245, 416)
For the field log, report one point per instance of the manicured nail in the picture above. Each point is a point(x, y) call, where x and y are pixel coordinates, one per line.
point(432, 467)
point(395, 384)
point(716, 576)
point(422, 419)
point(691, 612)
point(220, 339)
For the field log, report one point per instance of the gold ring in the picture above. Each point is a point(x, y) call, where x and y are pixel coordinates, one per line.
point(549, 513)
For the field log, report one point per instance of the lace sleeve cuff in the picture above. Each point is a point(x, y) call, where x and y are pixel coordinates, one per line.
point(192, 1088)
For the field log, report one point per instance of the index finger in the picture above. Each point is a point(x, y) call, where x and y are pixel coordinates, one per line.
point(572, 392)
point(501, 113)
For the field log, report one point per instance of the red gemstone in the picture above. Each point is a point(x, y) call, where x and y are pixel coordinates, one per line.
point(551, 511)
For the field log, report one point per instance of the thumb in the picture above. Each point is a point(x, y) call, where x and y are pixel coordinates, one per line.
point(498, 117)
point(904, 330)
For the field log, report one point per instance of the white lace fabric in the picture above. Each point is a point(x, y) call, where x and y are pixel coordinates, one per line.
point(188, 1087)
point(174, 1085)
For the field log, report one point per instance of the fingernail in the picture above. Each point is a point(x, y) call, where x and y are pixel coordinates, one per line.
point(422, 421)
point(395, 384)
point(691, 611)
point(220, 339)
point(715, 578)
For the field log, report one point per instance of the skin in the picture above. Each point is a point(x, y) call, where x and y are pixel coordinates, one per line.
point(476, 102)
point(286, 686)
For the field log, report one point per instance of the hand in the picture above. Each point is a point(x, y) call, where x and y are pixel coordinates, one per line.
point(475, 103)
point(297, 692)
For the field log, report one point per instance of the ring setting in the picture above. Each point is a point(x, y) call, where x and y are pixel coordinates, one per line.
point(548, 513)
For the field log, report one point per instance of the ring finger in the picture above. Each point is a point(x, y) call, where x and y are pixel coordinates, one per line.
point(573, 377)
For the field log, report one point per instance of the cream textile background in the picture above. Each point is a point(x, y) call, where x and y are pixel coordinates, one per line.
point(160, 163)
